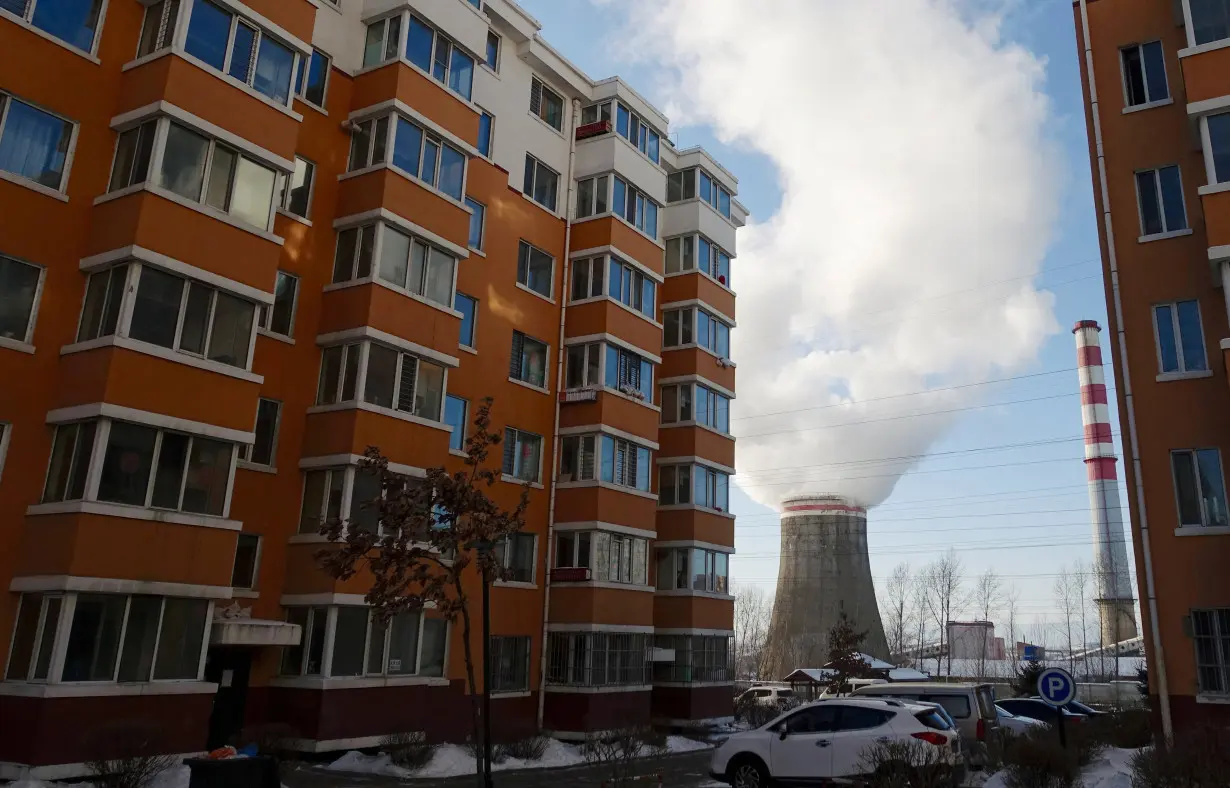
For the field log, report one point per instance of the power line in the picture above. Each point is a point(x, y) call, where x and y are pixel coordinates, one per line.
point(877, 521)
point(874, 513)
point(919, 471)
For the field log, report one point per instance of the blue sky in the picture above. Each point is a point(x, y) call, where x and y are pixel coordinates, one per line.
point(1021, 511)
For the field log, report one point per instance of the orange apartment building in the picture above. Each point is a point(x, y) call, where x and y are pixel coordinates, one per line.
point(243, 240)
point(1157, 88)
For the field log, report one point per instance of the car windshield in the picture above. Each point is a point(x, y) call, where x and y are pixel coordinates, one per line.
point(1002, 712)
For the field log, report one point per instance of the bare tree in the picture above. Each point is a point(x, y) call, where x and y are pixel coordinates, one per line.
point(988, 595)
point(946, 597)
point(421, 540)
point(1082, 575)
point(897, 611)
point(920, 610)
point(1066, 603)
point(753, 612)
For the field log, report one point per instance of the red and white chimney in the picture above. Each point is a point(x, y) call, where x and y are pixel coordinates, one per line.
point(1110, 562)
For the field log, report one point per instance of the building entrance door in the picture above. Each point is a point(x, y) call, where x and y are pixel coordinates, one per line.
point(229, 668)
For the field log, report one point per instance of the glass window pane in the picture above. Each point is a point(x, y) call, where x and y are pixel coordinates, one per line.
point(1172, 199)
point(373, 46)
point(221, 177)
point(247, 551)
point(1219, 142)
point(467, 307)
point(18, 287)
point(343, 260)
point(169, 475)
point(94, 638)
point(428, 389)
point(24, 635)
point(381, 376)
point(1212, 487)
point(34, 144)
point(1183, 464)
point(317, 79)
point(360, 145)
point(140, 635)
point(196, 318)
point(349, 640)
point(439, 285)
point(292, 656)
point(455, 416)
point(127, 464)
point(418, 44)
point(435, 633)
point(407, 146)
point(392, 41)
point(367, 248)
point(394, 257)
point(330, 375)
point(461, 73)
point(232, 330)
point(478, 214)
point(274, 66)
point(72, 21)
point(253, 197)
point(241, 52)
point(350, 373)
point(1155, 71)
point(403, 644)
point(314, 483)
point(263, 449)
point(282, 319)
point(300, 185)
point(208, 34)
point(1167, 347)
point(209, 473)
point(1210, 20)
point(484, 134)
point(1191, 335)
point(179, 643)
point(315, 634)
point(183, 161)
point(377, 635)
point(452, 170)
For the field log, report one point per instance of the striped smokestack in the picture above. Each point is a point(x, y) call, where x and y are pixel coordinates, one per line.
point(1114, 586)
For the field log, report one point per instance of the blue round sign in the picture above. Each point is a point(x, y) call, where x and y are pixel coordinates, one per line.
point(1056, 686)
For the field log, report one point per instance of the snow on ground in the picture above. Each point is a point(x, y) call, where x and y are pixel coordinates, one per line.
point(451, 760)
point(175, 777)
point(1111, 769)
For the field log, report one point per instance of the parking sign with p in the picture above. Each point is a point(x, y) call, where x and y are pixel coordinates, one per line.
point(1056, 686)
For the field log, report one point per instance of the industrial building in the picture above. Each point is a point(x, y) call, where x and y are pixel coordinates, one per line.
point(1156, 79)
point(243, 240)
point(824, 572)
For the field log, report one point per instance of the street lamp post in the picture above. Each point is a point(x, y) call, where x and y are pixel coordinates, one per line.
point(484, 549)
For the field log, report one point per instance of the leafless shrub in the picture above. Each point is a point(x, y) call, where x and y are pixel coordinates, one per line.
point(1037, 759)
point(619, 749)
point(134, 755)
point(528, 748)
point(1196, 759)
point(906, 763)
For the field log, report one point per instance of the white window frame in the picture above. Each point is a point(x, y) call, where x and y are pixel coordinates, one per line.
point(1191, 30)
point(167, 35)
point(602, 186)
point(34, 304)
point(6, 437)
point(399, 53)
point(363, 348)
point(256, 560)
point(305, 65)
point(6, 103)
point(27, 20)
point(264, 312)
point(517, 435)
point(588, 348)
point(237, 18)
point(287, 187)
point(245, 452)
point(1206, 148)
point(1156, 172)
point(539, 86)
point(595, 453)
point(373, 274)
point(529, 257)
point(482, 225)
point(538, 166)
point(1205, 521)
point(596, 268)
point(506, 562)
point(1144, 73)
point(474, 321)
point(1178, 338)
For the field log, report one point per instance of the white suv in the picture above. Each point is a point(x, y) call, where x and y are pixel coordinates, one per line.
point(830, 738)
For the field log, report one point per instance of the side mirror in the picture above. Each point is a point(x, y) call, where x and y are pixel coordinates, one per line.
point(783, 734)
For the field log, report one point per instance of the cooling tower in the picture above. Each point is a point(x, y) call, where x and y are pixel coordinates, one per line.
point(1114, 587)
point(824, 572)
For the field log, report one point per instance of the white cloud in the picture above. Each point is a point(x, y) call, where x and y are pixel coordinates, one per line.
point(910, 147)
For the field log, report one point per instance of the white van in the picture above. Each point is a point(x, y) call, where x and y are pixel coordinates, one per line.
point(767, 695)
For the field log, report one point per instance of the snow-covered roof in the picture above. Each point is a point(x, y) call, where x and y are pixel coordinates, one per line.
point(906, 674)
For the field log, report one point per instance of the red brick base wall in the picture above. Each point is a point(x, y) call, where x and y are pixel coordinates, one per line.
point(50, 731)
point(693, 703)
point(1187, 714)
point(583, 712)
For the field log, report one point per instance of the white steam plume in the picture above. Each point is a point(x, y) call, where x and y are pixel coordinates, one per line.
point(909, 145)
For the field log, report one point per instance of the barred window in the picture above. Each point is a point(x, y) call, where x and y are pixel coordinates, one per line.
point(510, 664)
point(698, 658)
point(597, 659)
point(1211, 633)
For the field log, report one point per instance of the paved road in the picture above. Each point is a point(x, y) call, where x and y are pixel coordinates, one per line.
point(687, 770)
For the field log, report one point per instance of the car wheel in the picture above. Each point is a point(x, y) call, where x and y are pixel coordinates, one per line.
point(748, 772)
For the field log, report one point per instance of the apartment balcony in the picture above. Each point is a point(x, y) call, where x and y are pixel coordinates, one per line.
point(131, 374)
point(97, 540)
point(593, 501)
point(1205, 75)
point(297, 17)
point(401, 82)
point(631, 606)
point(349, 428)
point(208, 95)
point(609, 152)
point(695, 285)
point(1216, 208)
point(676, 610)
point(687, 522)
point(697, 216)
point(593, 406)
point(391, 311)
point(608, 231)
point(245, 254)
point(679, 362)
point(422, 207)
point(609, 317)
point(689, 440)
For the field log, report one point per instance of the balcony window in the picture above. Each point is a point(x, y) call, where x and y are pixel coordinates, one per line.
point(409, 264)
point(689, 252)
point(353, 257)
point(535, 269)
point(541, 183)
point(132, 156)
point(263, 450)
point(143, 466)
point(522, 455)
point(202, 170)
point(19, 288)
point(468, 307)
point(639, 211)
point(234, 46)
point(596, 113)
point(104, 293)
point(684, 326)
point(383, 40)
point(698, 659)
point(323, 491)
point(636, 131)
point(247, 559)
point(1180, 340)
point(620, 559)
point(517, 553)
point(70, 462)
point(593, 196)
point(436, 55)
point(478, 217)
point(158, 27)
point(685, 402)
point(709, 488)
point(403, 382)
point(625, 463)
point(1218, 146)
point(493, 50)
point(587, 278)
point(75, 22)
point(714, 193)
point(1211, 634)
point(456, 415)
point(312, 81)
point(510, 664)
point(677, 403)
point(528, 361)
point(546, 104)
point(33, 144)
point(281, 318)
point(416, 153)
point(485, 123)
point(192, 318)
point(33, 637)
point(598, 659)
point(1210, 20)
point(1160, 193)
point(712, 334)
point(583, 366)
point(1144, 74)
point(693, 569)
point(1199, 487)
point(408, 644)
point(297, 190)
point(572, 549)
point(681, 185)
point(632, 288)
point(578, 458)
point(629, 373)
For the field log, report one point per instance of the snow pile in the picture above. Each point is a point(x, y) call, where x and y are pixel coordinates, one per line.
point(175, 777)
point(1111, 769)
point(452, 760)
